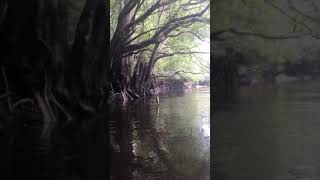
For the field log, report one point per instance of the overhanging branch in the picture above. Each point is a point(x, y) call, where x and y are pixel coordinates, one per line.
point(187, 32)
point(164, 31)
point(282, 11)
point(264, 36)
point(294, 8)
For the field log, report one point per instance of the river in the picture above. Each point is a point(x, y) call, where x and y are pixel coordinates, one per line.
point(270, 133)
point(170, 141)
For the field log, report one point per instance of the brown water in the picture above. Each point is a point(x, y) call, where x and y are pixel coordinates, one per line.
point(271, 133)
point(169, 142)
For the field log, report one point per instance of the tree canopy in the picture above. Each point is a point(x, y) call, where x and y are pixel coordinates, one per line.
point(167, 32)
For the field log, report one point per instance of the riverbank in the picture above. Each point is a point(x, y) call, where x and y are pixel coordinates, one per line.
point(166, 85)
point(277, 74)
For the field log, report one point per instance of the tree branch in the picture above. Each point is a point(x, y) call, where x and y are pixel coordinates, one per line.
point(293, 7)
point(174, 20)
point(163, 55)
point(144, 16)
point(282, 11)
point(163, 32)
point(263, 36)
point(145, 32)
point(184, 32)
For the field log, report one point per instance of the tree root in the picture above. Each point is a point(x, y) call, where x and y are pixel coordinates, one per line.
point(7, 88)
point(60, 106)
point(22, 101)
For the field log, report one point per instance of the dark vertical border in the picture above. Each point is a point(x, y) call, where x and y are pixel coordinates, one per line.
point(211, 94)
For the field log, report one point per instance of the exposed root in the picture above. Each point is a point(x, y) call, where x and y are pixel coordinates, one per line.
point(60, 106)
point(4, 95)
point(45, 113)
point(46, 110)
point(22, 101)
point(124, 97)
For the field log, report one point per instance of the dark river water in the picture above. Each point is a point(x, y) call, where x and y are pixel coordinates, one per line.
point(168, 142)
point(270, 133)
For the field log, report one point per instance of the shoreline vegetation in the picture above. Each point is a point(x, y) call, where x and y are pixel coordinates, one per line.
point(232, 71)
point(164, 86)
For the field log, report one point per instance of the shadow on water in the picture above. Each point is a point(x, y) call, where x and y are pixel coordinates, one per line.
point(170, 141)
point(74, 151)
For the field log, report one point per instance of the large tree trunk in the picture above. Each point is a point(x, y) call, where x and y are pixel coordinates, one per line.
point(41, 73)
point(89, 54)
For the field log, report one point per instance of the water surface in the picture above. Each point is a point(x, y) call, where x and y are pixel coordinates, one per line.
point(271, 133)
point(170, 141)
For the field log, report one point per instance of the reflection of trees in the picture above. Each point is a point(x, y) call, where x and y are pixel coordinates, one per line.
point(187, 141)
point(150, 147)
point(120, 160)
point(75, 151)
point(141, 140)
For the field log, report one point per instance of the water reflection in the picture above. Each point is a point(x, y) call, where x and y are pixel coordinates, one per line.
point(170, 141)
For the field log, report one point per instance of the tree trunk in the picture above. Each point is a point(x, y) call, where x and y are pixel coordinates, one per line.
point(38, 65)
point(86, 69)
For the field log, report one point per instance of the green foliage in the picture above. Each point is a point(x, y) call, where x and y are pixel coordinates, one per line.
point(197, 64)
